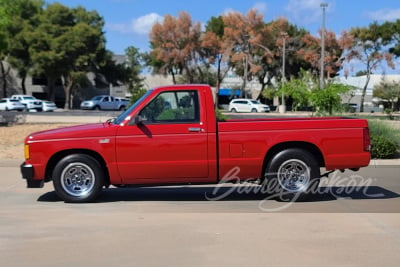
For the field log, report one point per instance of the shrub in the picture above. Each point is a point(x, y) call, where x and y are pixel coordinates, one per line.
point(382, 148)
point(220, 116)
point(384, 140)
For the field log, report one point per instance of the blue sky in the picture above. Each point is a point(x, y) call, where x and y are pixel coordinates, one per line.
point(128, 22)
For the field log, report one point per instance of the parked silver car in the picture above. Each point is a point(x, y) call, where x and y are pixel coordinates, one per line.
point(105, 102)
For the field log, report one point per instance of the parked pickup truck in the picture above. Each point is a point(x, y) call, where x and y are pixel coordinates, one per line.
point(171, 136)
point(105, 102)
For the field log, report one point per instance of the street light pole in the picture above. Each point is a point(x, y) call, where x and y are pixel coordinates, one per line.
point(282, 109)
point(322, 66)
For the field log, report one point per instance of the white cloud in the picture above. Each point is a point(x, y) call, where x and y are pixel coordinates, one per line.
point(141, 25)
point(260, 7)
point(307, 11)
point(229, 10)
point(384, 14)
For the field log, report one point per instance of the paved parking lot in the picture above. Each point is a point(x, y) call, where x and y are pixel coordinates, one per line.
point(181, 226)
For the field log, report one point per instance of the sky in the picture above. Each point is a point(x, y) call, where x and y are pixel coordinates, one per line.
point(128, 22)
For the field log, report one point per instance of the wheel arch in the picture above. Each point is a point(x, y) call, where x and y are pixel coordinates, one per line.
point(61, 154)
point(313, 149)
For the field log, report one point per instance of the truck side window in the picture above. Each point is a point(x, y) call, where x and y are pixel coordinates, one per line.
point(172, 107)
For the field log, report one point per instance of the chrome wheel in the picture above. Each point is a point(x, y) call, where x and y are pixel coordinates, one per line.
point(77, 179)
point(294, 176)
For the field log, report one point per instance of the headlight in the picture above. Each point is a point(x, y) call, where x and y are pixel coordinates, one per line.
point(26, 151)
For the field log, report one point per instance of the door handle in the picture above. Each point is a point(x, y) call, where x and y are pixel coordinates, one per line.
point(195, 129)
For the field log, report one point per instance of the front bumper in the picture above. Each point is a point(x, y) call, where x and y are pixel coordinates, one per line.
point(27, 172)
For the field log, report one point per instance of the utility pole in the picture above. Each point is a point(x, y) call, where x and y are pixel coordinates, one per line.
point(282, 108)
point(322, 66)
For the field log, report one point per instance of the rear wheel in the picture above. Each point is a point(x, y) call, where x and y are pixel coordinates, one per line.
point(292, 174)
point(233, 110)
point(78, 178)
point(253, 110)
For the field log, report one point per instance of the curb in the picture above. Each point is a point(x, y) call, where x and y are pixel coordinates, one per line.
point(384, 163)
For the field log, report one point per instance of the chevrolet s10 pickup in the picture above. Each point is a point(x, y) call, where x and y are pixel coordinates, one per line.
point(171, 136)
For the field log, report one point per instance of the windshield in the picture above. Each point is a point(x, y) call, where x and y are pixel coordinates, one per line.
point(121, 117)
point(29, 98)
point(99, 97)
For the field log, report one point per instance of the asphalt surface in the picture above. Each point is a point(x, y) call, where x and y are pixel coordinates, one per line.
point(353, 221)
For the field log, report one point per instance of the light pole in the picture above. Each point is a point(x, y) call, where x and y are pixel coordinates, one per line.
point(282, 108)
point(322, 66)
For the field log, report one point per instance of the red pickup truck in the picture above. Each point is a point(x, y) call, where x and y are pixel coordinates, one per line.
point(171, 136)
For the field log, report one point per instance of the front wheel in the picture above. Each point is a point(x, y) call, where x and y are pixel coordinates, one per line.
point(292, 174)
point(78, 178)
point(233, 110)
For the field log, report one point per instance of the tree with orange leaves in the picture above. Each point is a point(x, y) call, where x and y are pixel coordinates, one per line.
point(244, 33)
point(216, 50)
point(311, 53)
point(271, 66)
point(176, 43)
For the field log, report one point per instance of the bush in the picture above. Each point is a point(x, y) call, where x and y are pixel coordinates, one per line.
point(384, 140)
point(382, 148)
point(220, 116)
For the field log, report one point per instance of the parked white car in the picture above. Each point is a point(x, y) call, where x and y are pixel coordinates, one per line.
point(11, 104)
point(247, 105)
point(48, 105)
point(29, 101)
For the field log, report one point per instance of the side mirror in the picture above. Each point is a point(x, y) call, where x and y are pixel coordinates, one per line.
point(138, 120)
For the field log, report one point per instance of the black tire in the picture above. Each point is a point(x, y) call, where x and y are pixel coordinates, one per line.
point(97, 108)
point(78, 178)
point(233, 110)
point(253, 110)
point(122, 108)
point(292, 175)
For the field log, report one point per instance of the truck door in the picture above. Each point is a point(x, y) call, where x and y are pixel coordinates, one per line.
point(168, 145)
point(107, 103)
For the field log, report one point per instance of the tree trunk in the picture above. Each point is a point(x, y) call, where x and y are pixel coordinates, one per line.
point(217, 93)
point(23, 86)
point(4, 78)
point(364, 91)
point(51, 81)
point(67, 85)
point(173, 76)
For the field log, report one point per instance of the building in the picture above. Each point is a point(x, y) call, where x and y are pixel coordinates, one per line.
point(371, 103)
